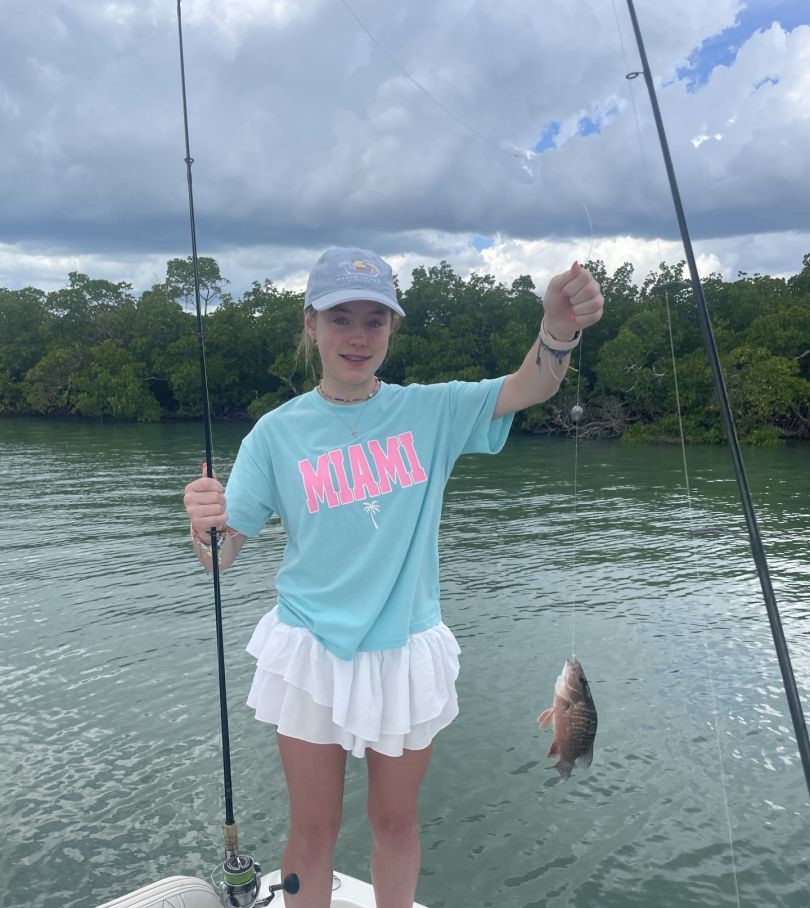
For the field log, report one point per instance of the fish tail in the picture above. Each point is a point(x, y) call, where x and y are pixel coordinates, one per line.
point(564, 769)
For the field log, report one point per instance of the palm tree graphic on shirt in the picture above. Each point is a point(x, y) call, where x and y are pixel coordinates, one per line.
point(371, 509)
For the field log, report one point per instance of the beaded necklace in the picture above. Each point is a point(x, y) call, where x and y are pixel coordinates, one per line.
point(361, 410)
point(349, 400)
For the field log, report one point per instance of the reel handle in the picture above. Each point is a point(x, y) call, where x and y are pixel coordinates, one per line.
point(290, 884)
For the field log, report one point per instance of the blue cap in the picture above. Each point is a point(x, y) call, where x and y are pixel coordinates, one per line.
point(346, 273)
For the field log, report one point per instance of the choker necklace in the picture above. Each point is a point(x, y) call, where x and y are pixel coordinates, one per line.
point(349, 400)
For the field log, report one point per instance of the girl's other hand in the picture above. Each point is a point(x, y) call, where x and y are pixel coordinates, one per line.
point(204, 501)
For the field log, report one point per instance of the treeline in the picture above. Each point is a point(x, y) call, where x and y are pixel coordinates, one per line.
point(96, 350)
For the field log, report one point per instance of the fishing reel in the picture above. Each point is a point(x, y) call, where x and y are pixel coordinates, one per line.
point(238, 881)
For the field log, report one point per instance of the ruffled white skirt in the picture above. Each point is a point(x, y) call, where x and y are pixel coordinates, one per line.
point(389, 701)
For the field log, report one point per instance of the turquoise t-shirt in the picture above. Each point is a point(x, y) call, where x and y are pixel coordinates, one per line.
point(358, 488)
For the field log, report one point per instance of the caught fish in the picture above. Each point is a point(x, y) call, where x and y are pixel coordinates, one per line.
point(573, 719)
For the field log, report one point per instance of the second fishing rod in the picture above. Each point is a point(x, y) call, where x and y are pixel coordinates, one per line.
point(758, 552)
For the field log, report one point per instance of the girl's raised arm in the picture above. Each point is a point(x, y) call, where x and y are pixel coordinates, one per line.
point(572, 302)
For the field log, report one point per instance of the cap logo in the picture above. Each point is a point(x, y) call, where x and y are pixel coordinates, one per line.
point(357, 267)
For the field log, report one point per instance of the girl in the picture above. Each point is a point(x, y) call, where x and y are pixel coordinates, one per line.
point(355, 657)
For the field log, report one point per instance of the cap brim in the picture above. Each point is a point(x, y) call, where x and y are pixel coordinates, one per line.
point(336, 297)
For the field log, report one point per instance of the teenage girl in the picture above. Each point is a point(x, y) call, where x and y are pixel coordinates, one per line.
point(354, 658)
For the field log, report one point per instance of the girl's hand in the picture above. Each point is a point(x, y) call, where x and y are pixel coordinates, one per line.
point(204, 501)
point(572, 302)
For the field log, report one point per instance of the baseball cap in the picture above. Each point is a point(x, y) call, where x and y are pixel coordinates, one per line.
point(346, 273)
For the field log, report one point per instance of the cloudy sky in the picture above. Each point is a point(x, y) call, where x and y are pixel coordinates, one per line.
point(500, 135)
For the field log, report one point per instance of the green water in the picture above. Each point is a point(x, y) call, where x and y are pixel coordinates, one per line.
point(110, 747)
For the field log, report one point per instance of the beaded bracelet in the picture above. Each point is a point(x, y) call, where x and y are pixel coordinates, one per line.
point(559, 350)
point(222, 536)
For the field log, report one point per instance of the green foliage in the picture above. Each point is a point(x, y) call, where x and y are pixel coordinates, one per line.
point(49, 386)
point(111, 385)
point(799, 284)
point(86, 311)
point(179, 285)
point(24, 332)
point(278, 324)
point(763, 389)
point(93, 349)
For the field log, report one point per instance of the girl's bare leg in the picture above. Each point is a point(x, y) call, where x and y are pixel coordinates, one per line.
point(315, 774)
point(393, 789)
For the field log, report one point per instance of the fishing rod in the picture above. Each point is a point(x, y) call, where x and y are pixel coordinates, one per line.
point(782, 654)
point(241, 875)
point(231, 832)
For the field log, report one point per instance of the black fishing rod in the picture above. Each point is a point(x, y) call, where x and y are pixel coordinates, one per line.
point(231, 832)
point(240, 875)
point(788, 678)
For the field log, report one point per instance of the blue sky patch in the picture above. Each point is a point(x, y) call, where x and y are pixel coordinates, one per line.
point(587, 126)
point(721, 50)
point(479, 243)
point(547, 138)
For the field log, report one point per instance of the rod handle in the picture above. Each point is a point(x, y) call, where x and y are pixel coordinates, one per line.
point(231, 835)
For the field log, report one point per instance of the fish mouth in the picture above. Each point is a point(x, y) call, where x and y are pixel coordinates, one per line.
point(572, 681)
point(573, 669)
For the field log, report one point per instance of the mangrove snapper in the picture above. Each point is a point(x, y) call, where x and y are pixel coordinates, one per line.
point(573, 719)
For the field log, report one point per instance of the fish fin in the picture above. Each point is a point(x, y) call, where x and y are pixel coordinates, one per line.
point(587, 758)
point(564, 769)
point(545, 717)
point(553, 749)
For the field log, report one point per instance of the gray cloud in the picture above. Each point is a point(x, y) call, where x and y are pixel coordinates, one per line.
point(304, 132)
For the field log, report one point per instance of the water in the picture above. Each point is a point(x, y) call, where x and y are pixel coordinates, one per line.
point(110, 746)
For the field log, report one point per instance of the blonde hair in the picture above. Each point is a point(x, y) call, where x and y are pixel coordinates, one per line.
point(306, 348)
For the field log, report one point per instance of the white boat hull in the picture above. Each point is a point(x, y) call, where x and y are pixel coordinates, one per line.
point(347, 892)
point(189, 892)
point(173, 892)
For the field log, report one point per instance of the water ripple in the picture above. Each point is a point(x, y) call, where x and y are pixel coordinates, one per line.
point(110, 715)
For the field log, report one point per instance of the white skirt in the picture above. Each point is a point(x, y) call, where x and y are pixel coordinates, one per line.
point(389, 701)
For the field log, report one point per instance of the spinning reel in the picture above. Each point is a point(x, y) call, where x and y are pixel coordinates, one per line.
point(239, 882)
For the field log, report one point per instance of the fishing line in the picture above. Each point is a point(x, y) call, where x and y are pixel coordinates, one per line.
point(783, 655)
point(697, 561)
point(757, 550)
point(714, 360)
point(629, 79)
point(463, 123)
point(526, 157)
point(528, 160)
point(590, 248)
point(690, 510)
point(576, 415)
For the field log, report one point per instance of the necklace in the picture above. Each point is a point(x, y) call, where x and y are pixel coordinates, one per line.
point(349, 400)
point(360, 410)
